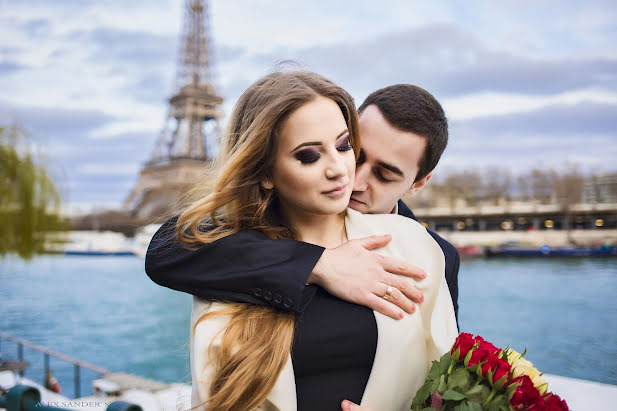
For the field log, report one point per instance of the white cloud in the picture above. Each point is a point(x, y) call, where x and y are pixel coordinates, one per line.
point(108, 67)
point(487, 104)
point(107, 169)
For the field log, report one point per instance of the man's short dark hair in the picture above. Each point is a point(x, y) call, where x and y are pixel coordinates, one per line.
point(413, 109)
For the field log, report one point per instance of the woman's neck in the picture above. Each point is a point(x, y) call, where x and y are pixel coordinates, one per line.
point(324, 230)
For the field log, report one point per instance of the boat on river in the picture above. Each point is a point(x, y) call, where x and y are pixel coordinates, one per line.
point(509, 250)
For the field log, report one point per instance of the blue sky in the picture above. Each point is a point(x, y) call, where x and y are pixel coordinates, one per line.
point(523, 84)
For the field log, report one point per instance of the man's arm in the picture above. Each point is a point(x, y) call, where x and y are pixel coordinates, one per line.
point(249, 267)
point(244, 267)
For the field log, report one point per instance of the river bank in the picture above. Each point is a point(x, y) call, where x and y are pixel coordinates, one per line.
point(554, 238)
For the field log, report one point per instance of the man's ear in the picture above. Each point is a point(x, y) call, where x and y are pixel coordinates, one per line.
point(267, 184)
point(417, 186)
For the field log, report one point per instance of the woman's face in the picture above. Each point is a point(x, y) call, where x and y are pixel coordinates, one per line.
point(314, 168)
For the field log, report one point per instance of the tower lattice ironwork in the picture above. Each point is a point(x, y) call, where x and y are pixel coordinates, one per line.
point(191, 129)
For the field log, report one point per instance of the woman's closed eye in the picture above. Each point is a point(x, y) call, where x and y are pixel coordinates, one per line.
point(308, 155)
point(343, 144)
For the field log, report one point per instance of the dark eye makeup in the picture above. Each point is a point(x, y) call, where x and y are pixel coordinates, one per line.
point(311, 155)
point(344, 145)
point(308, 155)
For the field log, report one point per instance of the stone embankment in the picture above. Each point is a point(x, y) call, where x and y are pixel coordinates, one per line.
point(554, 238)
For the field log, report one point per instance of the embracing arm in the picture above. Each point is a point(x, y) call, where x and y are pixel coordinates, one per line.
point(249, 267)
point(243, 267)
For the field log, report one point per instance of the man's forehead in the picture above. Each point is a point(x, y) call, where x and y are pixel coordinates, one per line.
point(387, 146)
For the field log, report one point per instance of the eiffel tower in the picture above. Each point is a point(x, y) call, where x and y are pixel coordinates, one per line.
point(182, 150)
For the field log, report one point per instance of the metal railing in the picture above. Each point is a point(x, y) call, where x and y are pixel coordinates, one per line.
point(26, 398)
point(77, 364)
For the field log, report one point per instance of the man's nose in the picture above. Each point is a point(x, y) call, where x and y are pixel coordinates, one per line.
point(362, 174)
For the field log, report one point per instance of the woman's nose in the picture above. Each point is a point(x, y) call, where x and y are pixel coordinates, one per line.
point(336, 168)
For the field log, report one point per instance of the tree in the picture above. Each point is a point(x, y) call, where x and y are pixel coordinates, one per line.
point(29, 200)
point(497, 185)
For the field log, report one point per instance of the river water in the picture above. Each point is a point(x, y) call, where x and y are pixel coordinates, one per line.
point(106, 311)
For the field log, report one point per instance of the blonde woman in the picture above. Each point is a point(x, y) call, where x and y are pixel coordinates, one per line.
point(286, 170)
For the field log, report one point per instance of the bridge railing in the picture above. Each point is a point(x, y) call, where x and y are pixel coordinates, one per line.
point(77, 364)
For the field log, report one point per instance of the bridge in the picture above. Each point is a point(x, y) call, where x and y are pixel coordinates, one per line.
point(520, 217)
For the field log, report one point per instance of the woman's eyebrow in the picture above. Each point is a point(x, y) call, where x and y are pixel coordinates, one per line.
point(318, 143)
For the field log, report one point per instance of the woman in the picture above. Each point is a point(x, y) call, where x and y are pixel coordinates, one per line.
point(287, 169)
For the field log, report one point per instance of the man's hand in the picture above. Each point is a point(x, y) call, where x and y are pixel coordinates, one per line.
point(354, 274)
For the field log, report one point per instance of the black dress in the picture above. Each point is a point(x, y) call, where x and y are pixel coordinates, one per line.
point(333, 351)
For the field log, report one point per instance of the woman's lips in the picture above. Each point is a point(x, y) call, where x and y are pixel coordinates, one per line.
point(337, 192)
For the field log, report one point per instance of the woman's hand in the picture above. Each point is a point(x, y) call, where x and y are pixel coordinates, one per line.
point(350, 406)
point(354, 274)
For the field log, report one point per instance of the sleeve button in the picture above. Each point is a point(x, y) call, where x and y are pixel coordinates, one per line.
point(287, 302)
point(267, 295)
point(257, 292)
point(277, 298)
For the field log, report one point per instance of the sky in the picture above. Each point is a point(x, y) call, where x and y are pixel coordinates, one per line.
point(524, 83)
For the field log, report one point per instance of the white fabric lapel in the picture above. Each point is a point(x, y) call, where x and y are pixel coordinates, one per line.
point(404, 348)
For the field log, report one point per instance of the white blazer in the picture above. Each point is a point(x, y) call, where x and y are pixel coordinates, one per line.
point(405, 348)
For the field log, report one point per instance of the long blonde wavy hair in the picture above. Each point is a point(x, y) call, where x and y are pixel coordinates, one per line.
point(257, 340)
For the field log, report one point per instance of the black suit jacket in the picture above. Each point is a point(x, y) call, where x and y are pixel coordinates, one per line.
point(249, 267)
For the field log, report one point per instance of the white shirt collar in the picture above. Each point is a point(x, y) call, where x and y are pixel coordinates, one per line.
point(395, 209)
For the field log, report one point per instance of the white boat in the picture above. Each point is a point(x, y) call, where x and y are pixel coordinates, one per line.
point(94, 243)
point(142, 239)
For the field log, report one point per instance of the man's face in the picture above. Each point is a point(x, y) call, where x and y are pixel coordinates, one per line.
point(388, 164)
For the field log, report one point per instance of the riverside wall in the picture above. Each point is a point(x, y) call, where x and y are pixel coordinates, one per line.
point(554, 238)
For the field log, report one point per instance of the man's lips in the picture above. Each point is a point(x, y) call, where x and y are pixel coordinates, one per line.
point(357, 201)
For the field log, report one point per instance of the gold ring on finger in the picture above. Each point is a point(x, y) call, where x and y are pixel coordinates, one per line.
point(388, 293)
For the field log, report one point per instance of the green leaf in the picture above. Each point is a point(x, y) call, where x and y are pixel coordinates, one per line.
point(435, 385)
point(442, 384)
point(444, 363)
point(451, 395)
point(498, 402)
point(421, 396)
point(471, 406)
point(435, 371)
point(478, 393)
point(459, 379)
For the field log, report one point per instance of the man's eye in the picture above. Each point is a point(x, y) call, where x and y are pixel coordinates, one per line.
point(381, 178)
point(307, 156)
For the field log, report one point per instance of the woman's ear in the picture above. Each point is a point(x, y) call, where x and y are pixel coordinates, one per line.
point(267, 184)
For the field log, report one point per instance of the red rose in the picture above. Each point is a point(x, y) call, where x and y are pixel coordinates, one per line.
point(484, 349)
point(554, 403)
point(526, 395)
point(464, 342)
point(496, 370)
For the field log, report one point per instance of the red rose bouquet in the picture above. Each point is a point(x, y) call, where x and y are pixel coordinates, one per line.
point(476, 375)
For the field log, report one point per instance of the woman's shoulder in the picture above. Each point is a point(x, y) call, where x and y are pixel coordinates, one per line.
point(379, 224)
point(410, 239)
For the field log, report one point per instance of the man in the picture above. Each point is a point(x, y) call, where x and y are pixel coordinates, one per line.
point(403, 133)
